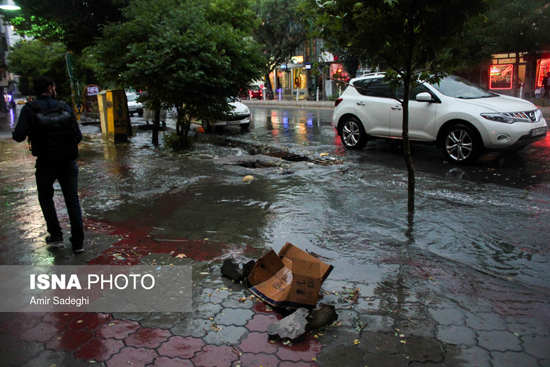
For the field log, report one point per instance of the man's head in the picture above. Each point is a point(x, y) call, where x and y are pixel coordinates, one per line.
point(44, 85)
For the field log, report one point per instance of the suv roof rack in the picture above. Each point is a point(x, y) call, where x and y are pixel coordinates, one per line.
point(373, 74)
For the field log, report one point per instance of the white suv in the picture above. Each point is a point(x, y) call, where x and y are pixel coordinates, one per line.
point(461, 117)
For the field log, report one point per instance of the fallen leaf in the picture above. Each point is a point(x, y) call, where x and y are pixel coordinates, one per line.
point(323, 154)
point(248, 178)
point(181, 256)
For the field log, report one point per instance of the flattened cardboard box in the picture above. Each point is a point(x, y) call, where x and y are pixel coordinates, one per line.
point(291, 279)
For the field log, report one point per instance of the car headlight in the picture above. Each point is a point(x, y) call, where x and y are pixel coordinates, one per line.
point(499, 118)
point(247, 110)
point(538, 115)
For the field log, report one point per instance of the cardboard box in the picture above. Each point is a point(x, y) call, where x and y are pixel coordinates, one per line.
point(291, 279)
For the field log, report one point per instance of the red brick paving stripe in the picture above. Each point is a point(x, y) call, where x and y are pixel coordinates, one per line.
point(118, 329)
point(99, 349)
point(303, 350)
point(260, 322)
point(178, 346)
point(216, 356)
point(172, 362)
point(147, 337)
point(258, 343)
point(135, 357)
point(89, 321)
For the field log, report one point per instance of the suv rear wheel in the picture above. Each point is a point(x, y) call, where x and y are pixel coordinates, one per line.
point(353, 134)
point(461, 144)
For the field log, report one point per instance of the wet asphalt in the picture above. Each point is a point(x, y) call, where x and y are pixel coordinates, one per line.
point(464, 284)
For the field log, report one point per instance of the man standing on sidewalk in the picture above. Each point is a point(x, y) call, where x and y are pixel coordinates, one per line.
point(54, 135)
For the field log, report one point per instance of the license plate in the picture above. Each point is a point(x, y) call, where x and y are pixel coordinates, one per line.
point(538, 131)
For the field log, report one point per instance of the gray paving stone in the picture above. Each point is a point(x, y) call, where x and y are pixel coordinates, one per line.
point(513, 359)
point(227, 334)
point(448, 316)
point(339, 336)
point(470, 356)
point(537, 346)
point(196, 328)
point(48, 358)
point(162, 320)
point(414, 327)
point(348, 318)
point(206, 310)
point(422, 350)
point(457, 335)
point(500, 341)
point(377, 323)
point(384, 360)
point(373, 342)
point(231, 316)
point(485, 321)
point(20, 352)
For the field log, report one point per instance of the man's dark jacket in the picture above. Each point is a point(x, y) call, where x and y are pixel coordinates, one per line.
point(24, 127)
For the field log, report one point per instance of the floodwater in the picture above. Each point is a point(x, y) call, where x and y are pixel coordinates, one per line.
point(492, 217)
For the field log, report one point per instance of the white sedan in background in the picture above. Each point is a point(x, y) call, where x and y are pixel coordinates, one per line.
point(240, 116)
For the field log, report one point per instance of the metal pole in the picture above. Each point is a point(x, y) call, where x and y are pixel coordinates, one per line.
point(317, 99)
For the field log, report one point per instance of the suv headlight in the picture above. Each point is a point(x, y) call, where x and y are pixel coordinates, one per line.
point(498, 118)
point(538, 115)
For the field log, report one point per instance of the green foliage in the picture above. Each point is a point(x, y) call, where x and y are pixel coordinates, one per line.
point(406, 36)
point(174, 141)
point(28, 59)
point(32, 58)
point(281, 30)
point(511, 26)
point(192, 54)
point(76, 23)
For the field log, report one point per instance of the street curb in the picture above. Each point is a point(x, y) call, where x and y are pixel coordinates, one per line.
point(295, 104)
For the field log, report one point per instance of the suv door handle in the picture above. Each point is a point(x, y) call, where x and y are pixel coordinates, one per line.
point(396, 108)
point(360, 103)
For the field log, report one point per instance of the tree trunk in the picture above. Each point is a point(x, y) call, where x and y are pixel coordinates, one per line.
point(407, 145)
point(156, 128)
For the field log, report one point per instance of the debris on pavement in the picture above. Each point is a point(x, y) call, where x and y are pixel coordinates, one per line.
point(291, 279)
point(232, 270)
point(303, 320)
point(248, 178)
point(321, 316)
point(292, 326)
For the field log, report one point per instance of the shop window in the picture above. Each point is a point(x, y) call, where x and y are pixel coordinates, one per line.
point(542, 69)
point(501, 76)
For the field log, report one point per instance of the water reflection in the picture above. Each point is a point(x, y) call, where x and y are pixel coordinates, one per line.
point(293, 126)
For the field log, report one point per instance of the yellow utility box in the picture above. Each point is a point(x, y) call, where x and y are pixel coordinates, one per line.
point(113, 113)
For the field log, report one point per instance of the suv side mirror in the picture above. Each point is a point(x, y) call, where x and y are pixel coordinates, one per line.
point(424, 97)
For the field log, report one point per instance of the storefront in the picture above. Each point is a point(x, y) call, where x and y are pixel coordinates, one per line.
point(515, 74)
point(507, 72)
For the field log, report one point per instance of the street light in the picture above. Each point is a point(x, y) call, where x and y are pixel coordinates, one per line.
point(8, 5)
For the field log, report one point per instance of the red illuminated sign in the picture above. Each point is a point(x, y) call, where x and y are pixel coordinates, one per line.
point(501, 76)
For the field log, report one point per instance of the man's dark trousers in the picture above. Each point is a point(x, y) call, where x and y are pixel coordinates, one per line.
point(66, 173)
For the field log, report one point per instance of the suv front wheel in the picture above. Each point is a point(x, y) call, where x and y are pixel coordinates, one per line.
point(353, 134)
point(461, 144)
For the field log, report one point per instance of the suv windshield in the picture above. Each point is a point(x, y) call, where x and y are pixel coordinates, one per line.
point(454, 86)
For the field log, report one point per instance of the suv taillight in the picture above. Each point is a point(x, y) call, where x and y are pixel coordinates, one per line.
point(337, 102)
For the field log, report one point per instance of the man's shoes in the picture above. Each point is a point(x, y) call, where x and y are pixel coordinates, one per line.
point(54, 239)
point(78, 250)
